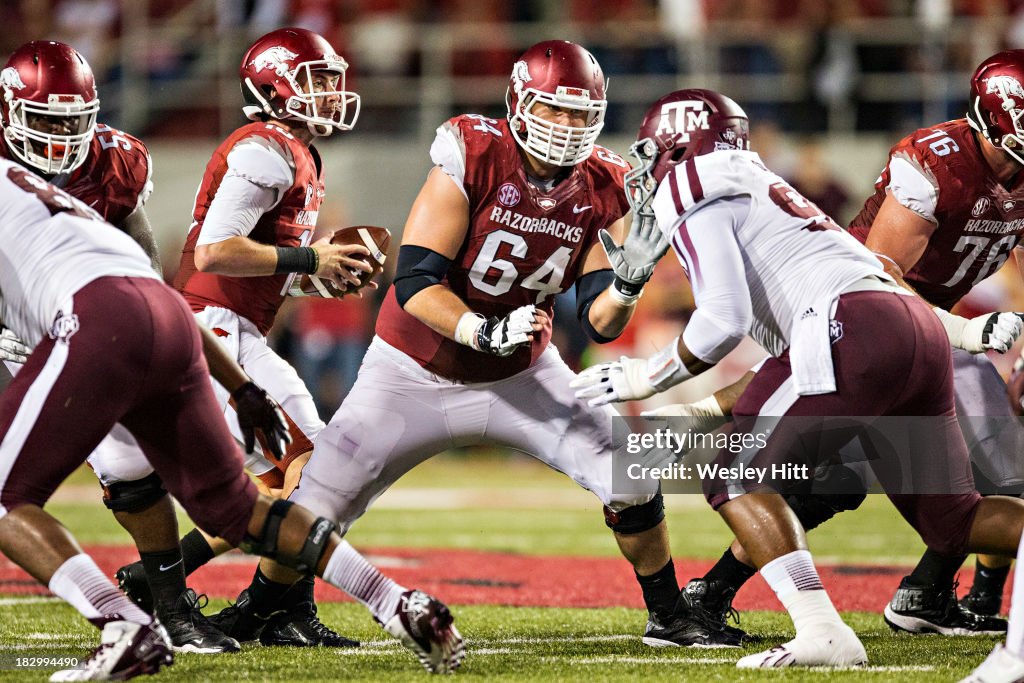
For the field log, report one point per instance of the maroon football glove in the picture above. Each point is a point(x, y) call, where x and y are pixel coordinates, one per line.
point(258, 411)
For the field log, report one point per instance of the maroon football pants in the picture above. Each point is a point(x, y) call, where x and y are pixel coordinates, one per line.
point(126, 350)
point(891, 359)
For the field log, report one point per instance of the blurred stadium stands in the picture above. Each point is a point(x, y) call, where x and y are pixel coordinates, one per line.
point(829, 85)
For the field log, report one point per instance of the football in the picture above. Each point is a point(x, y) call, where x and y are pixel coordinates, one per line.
point(374, 238)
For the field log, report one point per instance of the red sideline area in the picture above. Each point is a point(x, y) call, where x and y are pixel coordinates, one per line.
point(469, 577)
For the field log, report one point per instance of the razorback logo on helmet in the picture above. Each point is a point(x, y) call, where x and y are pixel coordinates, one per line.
point(682, 118)
point(520, 76)
point(10, 80)
point(275, 58)
point(1005, 87)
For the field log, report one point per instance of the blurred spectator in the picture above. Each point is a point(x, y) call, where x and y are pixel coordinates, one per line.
point(89, 26)
point(812, 177)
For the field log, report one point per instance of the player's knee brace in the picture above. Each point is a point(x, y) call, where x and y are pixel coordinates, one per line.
point(814, 509)
point(132, 496)
point(313, 547)
point(636, 518)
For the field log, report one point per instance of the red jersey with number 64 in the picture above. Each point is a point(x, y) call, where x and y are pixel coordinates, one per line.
point(116, 178)
point(524, 245)
point(939, 174)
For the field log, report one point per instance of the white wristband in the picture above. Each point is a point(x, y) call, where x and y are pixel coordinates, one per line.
point(707, 407)
point(620, 298)
point(465, 330)
point(954, 325)
point(665, 369)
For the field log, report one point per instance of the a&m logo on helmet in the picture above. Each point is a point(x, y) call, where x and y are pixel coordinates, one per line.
point(10, 80)
point(682, 118)
point(520, 76)
point(275, 58)
point(1007, 87)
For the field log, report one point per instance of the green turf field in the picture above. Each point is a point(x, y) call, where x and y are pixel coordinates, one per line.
point(494, 503)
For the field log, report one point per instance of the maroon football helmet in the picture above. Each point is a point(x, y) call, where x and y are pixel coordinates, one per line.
point(277, 77)
point(559, 74)
point(49, 106)
point(680, 126)
point(997, 101)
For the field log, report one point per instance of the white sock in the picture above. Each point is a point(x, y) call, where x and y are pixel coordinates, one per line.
point(798, 587)
point(81, 583)
point(348, 570)
point(1015, 634)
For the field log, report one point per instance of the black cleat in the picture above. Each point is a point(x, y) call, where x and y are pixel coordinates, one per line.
point(932, 610)
point(300, 627)
point(190, 631)
point(240, 620)
point(689, 625)
point(131, 579)
point(982, 602)
point(712, 600)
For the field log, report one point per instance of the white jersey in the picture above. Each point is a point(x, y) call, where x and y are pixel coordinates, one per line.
point(52, 245)
point(791, 256)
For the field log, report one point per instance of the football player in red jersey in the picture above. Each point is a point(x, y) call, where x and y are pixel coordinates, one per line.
point(513, 213)
point(49, 119)
point(250, 240)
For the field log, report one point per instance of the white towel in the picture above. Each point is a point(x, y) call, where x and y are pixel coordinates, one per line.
point(810, 350)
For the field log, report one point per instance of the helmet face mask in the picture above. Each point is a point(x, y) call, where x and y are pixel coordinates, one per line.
point(296, 74)
point(565, 77)
point(48, 106)
point(997, 102)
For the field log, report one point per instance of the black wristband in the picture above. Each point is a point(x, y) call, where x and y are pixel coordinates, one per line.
point(296, 260)
point(628, 288)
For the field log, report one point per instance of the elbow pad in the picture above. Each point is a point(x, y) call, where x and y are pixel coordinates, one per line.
point(588, 287)
point(711, 339)
point(418, 268)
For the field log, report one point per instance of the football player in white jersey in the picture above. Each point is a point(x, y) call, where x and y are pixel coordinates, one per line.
point(765, 262)
point(114, 344)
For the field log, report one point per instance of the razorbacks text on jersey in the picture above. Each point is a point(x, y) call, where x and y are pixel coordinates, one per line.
point(939, 174)
point(524, 244)
point(794, 257)
point(290, 223)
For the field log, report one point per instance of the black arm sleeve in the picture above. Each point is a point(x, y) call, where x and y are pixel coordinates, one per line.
point(418, 268)
point(588, 287)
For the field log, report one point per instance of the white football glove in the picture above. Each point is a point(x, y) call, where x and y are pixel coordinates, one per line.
point(497, 336)
point(634, 261)
point(626, 379)
point(996, 331)
point(11, 348)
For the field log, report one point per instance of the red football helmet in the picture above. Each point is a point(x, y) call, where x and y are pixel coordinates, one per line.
point(679, 126)
point(997, 101)
point(49, 106)
point(559, 74)
point(277, 81)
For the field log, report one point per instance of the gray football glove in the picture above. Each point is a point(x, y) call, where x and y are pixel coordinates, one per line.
point(634, 261)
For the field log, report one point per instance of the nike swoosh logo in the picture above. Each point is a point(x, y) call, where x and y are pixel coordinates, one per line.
point(580, 209)
point(170, 566)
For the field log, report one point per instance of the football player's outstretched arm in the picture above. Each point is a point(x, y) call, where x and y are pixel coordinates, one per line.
point(721, 320)
point(137, 227)
point(433, 235)
point(899, 238)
